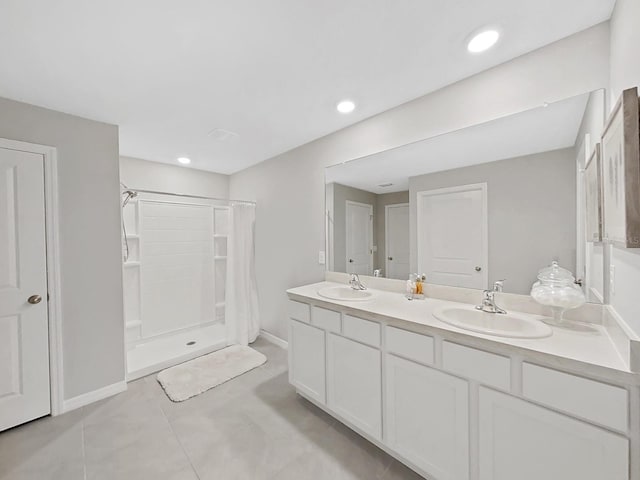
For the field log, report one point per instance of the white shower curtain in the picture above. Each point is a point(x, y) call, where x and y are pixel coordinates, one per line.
point(242, 318)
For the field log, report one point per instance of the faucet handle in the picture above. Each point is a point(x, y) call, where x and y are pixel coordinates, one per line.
point(498, 285)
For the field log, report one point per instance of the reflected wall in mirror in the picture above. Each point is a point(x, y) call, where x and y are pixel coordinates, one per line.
point(498, 200)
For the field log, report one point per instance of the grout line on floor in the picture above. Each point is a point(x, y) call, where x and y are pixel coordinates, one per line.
point(84, 455)
point(386, 470)
point(184, 451)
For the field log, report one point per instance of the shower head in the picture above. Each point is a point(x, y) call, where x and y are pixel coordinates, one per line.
point(128, 195)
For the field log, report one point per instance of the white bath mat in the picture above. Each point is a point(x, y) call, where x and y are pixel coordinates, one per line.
point(203, 373)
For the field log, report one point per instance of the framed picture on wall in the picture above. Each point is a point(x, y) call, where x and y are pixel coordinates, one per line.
point(621, 173)
point(593, 195)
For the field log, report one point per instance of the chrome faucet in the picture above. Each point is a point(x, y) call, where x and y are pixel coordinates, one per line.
point(488, 304)
point(355, 282)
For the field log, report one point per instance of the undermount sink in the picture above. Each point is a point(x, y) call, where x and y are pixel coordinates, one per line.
point(345, 294)
point(501, 325)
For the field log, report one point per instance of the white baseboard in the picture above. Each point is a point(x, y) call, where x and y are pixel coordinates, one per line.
point(90, 397)
point(269, 337)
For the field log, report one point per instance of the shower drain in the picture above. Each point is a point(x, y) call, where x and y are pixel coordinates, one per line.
point(192, 342)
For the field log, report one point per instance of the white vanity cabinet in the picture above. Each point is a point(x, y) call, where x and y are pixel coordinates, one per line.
point(427, 418)
point(524, 441)
point(354, 383)
point(307, 366)
point(457, 411)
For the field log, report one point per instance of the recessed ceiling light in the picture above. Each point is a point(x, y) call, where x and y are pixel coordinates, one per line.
point(483, 41)
point(184, 160)
point(346, 106)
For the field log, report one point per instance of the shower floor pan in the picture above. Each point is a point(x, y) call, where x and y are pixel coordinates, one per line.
point(164, 352)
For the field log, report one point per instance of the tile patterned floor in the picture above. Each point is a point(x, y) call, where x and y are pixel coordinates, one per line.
point(252, 428)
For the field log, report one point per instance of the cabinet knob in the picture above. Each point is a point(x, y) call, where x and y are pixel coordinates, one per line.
point(478, 269)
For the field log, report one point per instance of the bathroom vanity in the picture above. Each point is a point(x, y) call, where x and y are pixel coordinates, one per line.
point(453, 404)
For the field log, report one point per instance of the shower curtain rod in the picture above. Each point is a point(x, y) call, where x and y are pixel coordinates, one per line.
point(186, 195)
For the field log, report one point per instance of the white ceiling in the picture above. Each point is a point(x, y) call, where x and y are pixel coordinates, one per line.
point(539, 130)
point(169, 72)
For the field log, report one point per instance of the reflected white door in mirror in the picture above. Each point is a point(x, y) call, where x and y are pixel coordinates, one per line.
point(359, 228)
point(452, 235)
point(397, 240)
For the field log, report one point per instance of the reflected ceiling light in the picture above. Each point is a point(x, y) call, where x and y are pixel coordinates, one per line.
point(346, 106)
point(483, 41)
point(184, 160)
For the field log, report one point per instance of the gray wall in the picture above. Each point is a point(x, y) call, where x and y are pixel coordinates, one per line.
point(336, 205)
point(137, 173)
point(90, 264)
point(290, 188)
point(342, 193)
point(382, 200)
point(532, 213)
point(593, 120)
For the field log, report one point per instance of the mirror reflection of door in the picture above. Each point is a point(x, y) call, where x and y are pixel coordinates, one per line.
point(397, 240)
point(359, 232)
point(452, 236)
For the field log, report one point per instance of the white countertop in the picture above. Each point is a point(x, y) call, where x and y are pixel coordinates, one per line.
point(586, 346)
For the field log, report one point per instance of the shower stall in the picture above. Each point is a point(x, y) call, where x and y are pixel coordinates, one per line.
point(174, 275)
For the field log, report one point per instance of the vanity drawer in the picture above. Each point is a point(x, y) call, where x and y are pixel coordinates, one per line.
point(299, 311)
point(409, 345)
point(588, 399)
point(364, 331)
point(484, 367)
point(326, 319)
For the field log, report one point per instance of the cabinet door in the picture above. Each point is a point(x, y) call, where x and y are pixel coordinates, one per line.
point(427, 418)
point(307, 359)
point(354, 384)
point(524, 441)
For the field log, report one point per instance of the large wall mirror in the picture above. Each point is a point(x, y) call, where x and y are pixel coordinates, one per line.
point(498, 200)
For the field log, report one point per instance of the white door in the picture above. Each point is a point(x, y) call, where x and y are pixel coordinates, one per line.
point(397, 240)
point(427, 418)
point(519, 440)
point(453, 236)
point(307, 359)
point(24, 345)
point(354, 383)
point(359, 228)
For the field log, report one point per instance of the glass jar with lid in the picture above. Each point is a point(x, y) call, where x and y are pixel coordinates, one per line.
point(556, 288)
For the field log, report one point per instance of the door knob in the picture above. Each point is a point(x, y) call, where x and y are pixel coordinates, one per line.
point(478, 269)
point(34, 299)
point(390, 258)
